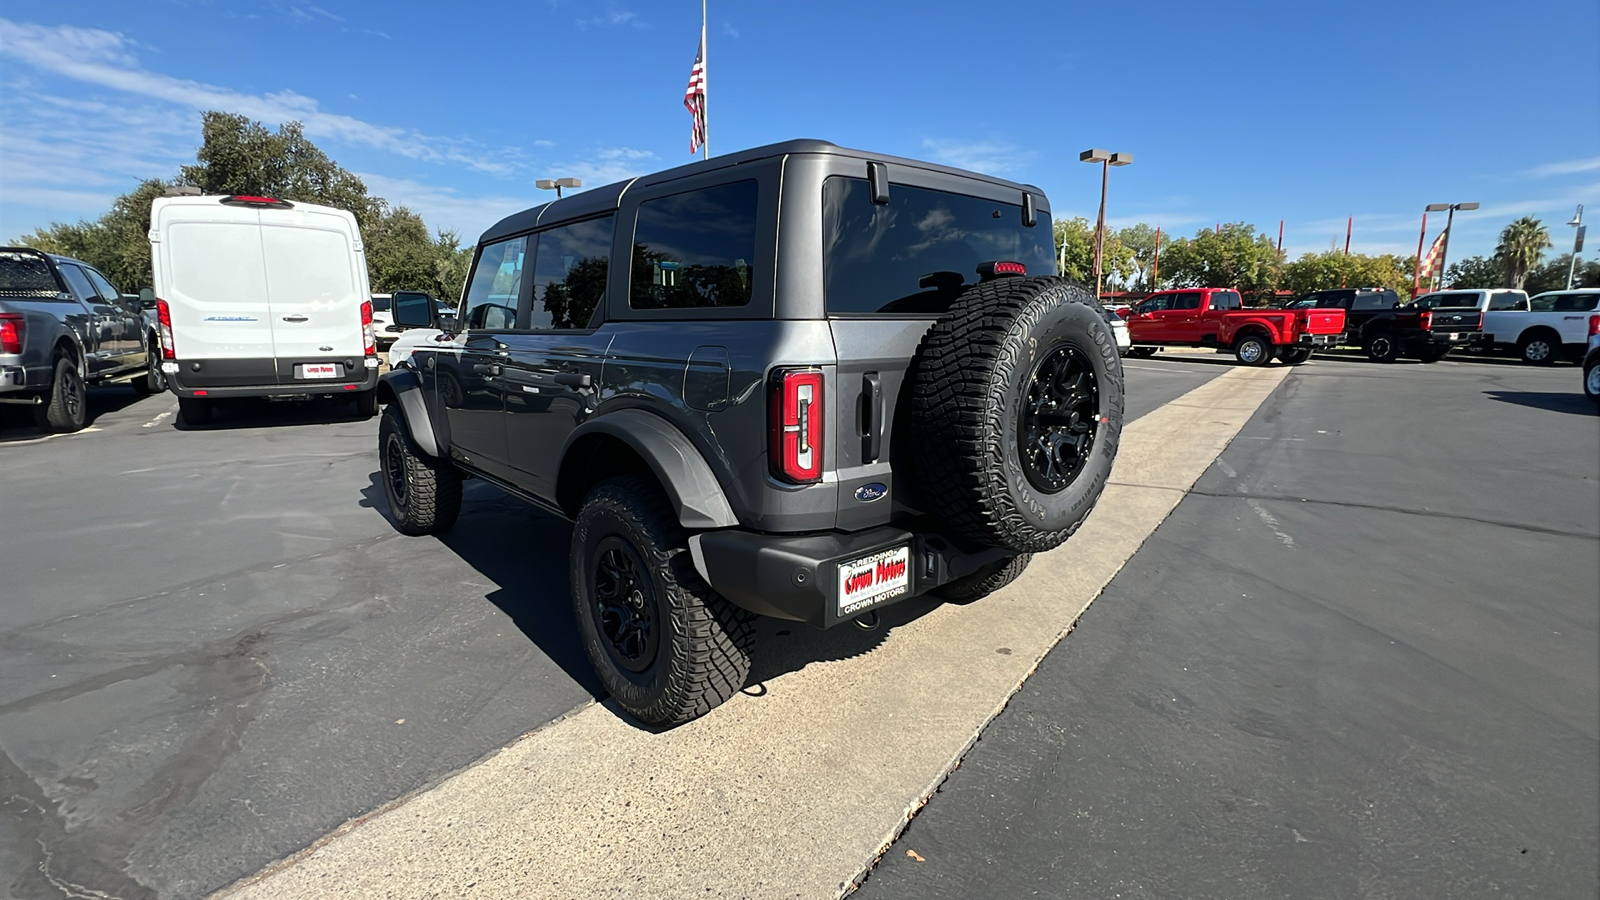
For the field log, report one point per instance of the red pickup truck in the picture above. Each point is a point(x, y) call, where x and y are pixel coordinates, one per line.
point(1215, 317)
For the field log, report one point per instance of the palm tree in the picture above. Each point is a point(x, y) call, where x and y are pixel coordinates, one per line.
point(1521, 245)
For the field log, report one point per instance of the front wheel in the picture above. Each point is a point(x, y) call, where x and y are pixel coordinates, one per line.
point(1294, 356)
point(1253, 350)
point(66, 407)
point(666, 646)
point(424, 493)
point(1382, 348)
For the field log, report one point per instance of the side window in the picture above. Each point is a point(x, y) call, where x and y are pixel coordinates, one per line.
point(491, 303)
point(1155, 304)
point(1370, 301)
point(80, 285)
point(1187, 300)
point(1575, 302)
point(569, 273)
point(694, 249)
point(1226, 300)
point(1507, 300)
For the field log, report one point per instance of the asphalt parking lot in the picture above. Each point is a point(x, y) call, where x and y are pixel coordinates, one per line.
point(216, 651)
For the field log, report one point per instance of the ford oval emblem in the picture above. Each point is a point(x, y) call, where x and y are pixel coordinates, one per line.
point(870, 492)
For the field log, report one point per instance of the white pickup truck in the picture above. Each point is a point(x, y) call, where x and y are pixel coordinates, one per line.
point(1555, 324)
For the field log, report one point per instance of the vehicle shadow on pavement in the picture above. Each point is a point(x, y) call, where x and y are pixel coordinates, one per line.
point(783, 647)
point(16, 421)
point(1555, 401)
point(243, 413)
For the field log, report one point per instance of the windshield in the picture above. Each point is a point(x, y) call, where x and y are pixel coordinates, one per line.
point(919, 251)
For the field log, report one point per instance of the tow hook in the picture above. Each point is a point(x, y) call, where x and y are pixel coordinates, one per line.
point(867, 621)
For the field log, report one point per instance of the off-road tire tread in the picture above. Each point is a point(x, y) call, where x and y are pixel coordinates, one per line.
point(957, 408)
point(708, 638)
point(52, 415)
point(435, 484)
point(985, 581)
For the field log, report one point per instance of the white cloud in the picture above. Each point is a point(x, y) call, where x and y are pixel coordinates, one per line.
point(613, 19)
point(446, 208)
point(988, 157)
point(606, 166)
point(730, 31)
point(1566, 167)
point(105, 59)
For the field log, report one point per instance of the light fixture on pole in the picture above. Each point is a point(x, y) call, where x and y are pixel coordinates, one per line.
point(556, 184)
point(1444, 249)
point(1106, 160)
point(1577, 243)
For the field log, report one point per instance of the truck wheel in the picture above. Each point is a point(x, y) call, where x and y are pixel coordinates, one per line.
point(1591, 380)
point(66, 407)
point(1382, 348)
point(985, 581)
point(1142, 352)
point(152, 382)
point(1538, 350)
point(195, 410)
point(1253, 350)
point(1016, 410)
point(424, 493)
point(366, 404)
point(1294, 356)
point(1432, 354)
point(666, 646)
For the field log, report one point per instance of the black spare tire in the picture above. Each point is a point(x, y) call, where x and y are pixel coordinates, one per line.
point(1016, 412)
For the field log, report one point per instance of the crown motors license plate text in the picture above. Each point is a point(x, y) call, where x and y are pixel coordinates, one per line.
point(872, 579)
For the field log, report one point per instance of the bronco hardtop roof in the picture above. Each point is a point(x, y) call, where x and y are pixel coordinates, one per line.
point(609, 197)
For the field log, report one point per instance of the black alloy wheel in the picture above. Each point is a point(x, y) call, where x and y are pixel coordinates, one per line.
point(1056, 425)
point(625, 608)
point(394, 465)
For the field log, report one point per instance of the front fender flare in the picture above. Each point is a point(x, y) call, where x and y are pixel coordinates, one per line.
point(690, 484)
point(403, 387)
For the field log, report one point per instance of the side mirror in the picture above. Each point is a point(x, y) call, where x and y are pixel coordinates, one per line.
point(414, 309)
point(147, 298)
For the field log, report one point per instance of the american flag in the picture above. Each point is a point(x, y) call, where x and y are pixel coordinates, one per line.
point(694, 96)
point(1430, 260)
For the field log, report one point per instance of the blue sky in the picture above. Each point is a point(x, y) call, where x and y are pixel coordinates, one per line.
point(1233, 111)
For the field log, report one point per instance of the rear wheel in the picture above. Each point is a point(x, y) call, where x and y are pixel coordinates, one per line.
point(1433, 354)
point(1142, 352)
point(1294, 356)
point(985, 581)
point(66, 407)
point(1016, 412)
point(666, 646)
point(195, 410)
point(366, 404)
point(1253, 350)
point(1538, 349)
point(424, 492)
point(152, 381)
point(1382, 348)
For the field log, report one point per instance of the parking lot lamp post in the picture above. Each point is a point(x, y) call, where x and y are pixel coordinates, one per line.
point(1577, 243)
point(556, 184)
point(1449, 219)
point(1106, 161)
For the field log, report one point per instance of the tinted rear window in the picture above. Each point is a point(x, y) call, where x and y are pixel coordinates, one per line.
point(24, 274)
point(919, 251)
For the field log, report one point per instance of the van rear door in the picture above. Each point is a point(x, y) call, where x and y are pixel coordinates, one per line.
point(210, 270)
point(316, 283)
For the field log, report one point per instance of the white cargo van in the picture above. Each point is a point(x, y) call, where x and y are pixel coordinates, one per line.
point(259, 297)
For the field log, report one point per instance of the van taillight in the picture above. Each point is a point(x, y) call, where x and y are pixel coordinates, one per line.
point(11, 328)
point(1427, 320)
point(367, 331)
point(796, 410)
point(169, 350)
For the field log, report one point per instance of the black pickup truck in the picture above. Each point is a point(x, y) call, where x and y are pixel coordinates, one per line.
point(1375, 321)
point(64, 327)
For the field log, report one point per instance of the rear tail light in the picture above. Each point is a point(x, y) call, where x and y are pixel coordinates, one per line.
point(12, 326)
point(1427, 320)
point(1000, 269)
point(169, 350)
point(796, 411)
point(368, 333)
point(1479, 325)
point(1594, 325)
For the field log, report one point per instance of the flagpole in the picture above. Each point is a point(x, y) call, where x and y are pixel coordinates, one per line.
point(705, 78)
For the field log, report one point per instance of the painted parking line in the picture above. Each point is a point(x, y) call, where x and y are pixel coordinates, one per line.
point(793, 788)
point(162, 415)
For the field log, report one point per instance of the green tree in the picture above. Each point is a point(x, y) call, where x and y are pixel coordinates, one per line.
point(1075, 248)
point(239, 156)
point(1140, 241)
point(1522, 244)
point(1333, 269)
point(117, 243)
point(1552, 276)
point(1235, 256)
point(1476, 272)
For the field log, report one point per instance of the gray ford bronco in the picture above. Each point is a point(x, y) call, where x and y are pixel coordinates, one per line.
point(798, 381)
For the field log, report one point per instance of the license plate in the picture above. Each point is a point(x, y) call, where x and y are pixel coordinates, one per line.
point(1456, 337)
point(319, 370)
point(873, 579)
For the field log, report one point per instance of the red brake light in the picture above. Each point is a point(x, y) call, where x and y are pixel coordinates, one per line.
point(258, 202)
point(796, 411)
point(1427, 320)
point(169, 350)
point(1594, 325)
point(11, 329)
point(368, 332)
point(1002, 267)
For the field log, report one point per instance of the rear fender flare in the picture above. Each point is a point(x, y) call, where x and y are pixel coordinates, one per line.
point(404, 388)
point(696, 495)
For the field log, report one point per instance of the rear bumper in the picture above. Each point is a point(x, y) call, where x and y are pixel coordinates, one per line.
point(797, 577)
point(1450, 338)
point(216, 378)
point(1320, 340)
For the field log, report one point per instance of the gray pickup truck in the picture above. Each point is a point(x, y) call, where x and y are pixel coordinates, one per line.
point(797, 381)
point(64, 328)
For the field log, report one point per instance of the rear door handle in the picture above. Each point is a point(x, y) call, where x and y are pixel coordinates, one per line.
point(872, 416)
point(296, 319)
